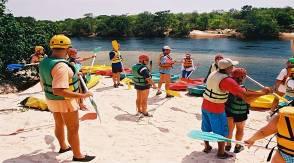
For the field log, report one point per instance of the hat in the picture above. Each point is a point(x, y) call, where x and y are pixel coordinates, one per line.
point(226, 62)
point(166, 47)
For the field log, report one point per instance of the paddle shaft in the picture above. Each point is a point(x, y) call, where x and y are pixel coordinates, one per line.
point(262, 86)
point(92, 64)
point(91, 98)
point(31, 64)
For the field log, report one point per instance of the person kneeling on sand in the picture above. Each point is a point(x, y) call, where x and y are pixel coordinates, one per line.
point(219, 85)
point(237, 110)
point(59, 81)
point(142, 80)
point(282, 126)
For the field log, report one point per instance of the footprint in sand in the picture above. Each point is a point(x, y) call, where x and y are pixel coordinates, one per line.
point(49, 141)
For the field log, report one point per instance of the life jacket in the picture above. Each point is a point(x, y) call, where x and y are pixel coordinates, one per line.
point(289, 90)
point(116, 58)
point(236, 105)
point(45, 73)
point(212, 91)
point(139, 79)
point(214, 67)
point(285, 135)
point(188, 62)
point(168, 63)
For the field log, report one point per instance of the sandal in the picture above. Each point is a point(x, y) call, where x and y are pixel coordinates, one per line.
point(207, 150)
point(158, 93)
point(115, 85)
point(228, 147)
point(64, 150)
point(119, 84)
point(83, 107)
point(224, 156)
point(169, 96)
point(238, 148)
point(147, 114)
point(85, 159)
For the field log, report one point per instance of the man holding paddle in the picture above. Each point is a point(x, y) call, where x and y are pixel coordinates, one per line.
point(219, 85)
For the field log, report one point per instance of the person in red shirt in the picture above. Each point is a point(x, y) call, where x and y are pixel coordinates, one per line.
point(219, 85)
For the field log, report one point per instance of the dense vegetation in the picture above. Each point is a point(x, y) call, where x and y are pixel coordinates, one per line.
point(19, 35)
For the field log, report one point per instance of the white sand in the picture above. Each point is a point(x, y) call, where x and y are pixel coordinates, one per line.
point(119, 138)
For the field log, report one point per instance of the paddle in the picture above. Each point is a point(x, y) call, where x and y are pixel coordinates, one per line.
point(212, 137)
point(262, 86)
point(195, 69)
point(91, 100)
point(17, 67)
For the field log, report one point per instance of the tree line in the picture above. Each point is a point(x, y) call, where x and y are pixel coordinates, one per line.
point(19, 35)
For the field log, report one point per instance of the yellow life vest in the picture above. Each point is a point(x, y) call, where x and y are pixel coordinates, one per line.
point(188, 62)
point(116, 58)
point(285, 135)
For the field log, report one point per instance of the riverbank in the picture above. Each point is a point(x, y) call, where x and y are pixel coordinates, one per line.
point(120, 137)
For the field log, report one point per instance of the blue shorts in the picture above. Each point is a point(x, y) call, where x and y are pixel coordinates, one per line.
point(287, 158)
point(116, 67)
point(216, 123)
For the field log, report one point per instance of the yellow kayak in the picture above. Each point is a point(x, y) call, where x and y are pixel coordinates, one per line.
point(95, 79)
point(265, 102)
point(85, 69)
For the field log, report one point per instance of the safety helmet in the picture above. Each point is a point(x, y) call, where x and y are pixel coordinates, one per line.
point(218, 57)
point(239, 73)
point(39, 48)
point(60, 41)
point(115, 45)
point(166, 48)
point(72, 51)
point(292, 70)
point(143, 57)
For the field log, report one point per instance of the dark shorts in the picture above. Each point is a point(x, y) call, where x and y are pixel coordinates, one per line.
point(237, 117)
point(141, 88)
point(116, 67)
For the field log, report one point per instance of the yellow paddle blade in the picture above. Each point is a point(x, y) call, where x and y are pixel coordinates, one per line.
point(127, 80)
point(115, 45)
point(129, 85)
point(280, 97)
point(173, 93)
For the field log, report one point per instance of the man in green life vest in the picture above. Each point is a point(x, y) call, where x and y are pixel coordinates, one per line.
point(142, 80)
point(237, 110)
point(59, 80)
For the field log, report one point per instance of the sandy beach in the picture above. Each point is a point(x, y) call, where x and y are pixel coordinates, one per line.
point(121, 137)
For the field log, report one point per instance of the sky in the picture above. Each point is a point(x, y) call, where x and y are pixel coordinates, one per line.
point(62, 9)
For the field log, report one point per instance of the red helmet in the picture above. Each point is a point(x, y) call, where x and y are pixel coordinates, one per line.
point(238, 73)
point(143, 57)
point(72, 51)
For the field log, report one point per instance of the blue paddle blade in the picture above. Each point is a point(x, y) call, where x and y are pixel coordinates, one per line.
point(96, 50)
point(14, 67)
point(207, 136)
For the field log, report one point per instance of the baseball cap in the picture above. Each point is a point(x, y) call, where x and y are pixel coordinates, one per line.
point(226, 62)
point(166, 47)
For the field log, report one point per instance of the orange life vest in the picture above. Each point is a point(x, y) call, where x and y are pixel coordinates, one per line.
point(168, 63)
point(188, 62)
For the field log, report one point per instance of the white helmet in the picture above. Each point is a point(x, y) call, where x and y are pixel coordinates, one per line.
point(165, 48)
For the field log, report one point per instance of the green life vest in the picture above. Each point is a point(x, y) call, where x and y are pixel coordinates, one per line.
point(236, 105)
point(46, 66)
point(138, 79)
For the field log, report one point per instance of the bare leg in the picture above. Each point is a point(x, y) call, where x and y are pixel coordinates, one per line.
point(240, 130)
point(161, 80)
point(231, 126)
point(278, 158)
point(138, 101)
point(167, 81)
point(59, 130)
point(145, 94)
point(71, 120)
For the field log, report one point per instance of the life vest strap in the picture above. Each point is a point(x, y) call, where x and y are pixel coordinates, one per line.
point(211, 92)
point(289, 127)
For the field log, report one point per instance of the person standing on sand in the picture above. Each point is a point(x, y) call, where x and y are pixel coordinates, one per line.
point(165, 66)
point(116, 64)
point(213, 66)
point(237, 110)
point(142, 80)
point(282, 126)
point(219, 85)
point(59, 80)
point(187, 66)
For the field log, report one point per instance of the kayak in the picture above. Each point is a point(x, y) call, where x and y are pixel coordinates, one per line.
point(35, 103)
point(184, 83)
point(197, 90)
point(108, 72)
point(264, 102)
point(155, 77)
point(93, 81)
point(95, 68)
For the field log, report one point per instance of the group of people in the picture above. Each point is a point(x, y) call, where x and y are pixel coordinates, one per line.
point(225, 100)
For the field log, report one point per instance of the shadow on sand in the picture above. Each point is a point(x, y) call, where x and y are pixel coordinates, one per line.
point(201, 157)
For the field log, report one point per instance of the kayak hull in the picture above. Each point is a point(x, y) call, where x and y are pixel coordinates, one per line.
point(85, 69)
point(184, 83)
point(197, 90)
point(95, 79)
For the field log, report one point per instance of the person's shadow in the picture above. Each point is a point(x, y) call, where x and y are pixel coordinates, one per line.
point(201, 157)
point(35, 157)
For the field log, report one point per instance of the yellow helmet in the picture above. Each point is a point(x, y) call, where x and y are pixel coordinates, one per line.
point(115, 45)
point(60, 41)
point(292, 70)
point(39, 48)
